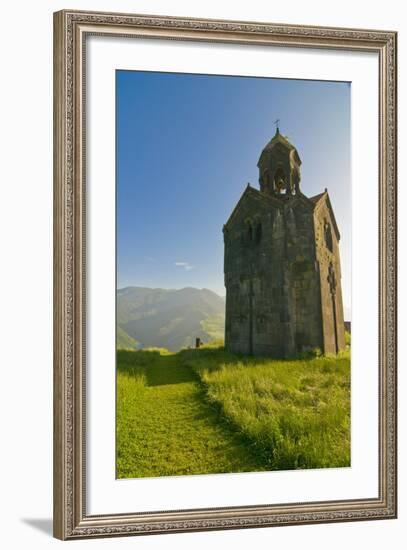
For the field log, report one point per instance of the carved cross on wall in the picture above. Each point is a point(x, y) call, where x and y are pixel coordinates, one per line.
point(331, 279)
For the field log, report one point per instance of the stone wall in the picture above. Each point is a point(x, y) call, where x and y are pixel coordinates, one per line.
point(273, 304)
point(327, 249)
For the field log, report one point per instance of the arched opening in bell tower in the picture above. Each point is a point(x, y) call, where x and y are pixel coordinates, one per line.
point(280, 181)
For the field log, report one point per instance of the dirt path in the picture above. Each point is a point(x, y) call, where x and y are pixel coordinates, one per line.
point(166, 427)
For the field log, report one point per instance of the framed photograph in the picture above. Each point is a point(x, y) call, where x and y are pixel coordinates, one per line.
point(225, 274)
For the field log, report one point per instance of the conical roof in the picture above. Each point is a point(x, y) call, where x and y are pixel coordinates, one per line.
point(279, 139)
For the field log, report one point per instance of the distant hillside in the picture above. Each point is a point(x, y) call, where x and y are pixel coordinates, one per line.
point(124, 341)
point(172, 319)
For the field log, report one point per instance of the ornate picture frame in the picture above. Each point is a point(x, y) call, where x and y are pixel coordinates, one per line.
point(71, 30)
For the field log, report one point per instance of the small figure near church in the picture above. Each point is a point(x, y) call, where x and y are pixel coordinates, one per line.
point(282, 266)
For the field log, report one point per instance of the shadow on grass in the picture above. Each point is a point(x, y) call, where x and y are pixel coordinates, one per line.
point(195, 433)
point(162, 369)
point(179, 430)
point(159, 370)
point(215, 358)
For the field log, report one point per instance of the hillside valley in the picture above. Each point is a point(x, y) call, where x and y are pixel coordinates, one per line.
point(168, 318)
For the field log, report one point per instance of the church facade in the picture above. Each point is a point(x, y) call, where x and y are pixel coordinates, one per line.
point(282, 265)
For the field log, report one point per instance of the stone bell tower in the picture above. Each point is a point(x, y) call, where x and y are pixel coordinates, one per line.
point(279, 168)
point(281, 264)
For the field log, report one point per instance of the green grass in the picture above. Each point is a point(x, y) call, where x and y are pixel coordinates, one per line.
point(165, 425)
point(296, 412)
point(207, 411)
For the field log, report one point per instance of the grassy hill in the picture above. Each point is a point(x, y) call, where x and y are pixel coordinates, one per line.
point(208, 411)
point(171, 319)
point(124, 341)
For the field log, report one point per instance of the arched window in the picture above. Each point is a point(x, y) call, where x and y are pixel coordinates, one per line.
point(259, 232)
point(280, 182)
point(250, 231)
point(328, 236)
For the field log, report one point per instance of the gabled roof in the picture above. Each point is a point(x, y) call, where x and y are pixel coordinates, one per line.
point(319, 199)
point(265, 198)
point(316, 198)
point(256, 194)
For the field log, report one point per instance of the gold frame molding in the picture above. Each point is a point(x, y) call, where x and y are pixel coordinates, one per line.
point(70, 31)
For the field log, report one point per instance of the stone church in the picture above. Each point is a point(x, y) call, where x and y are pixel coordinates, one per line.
point(282, 266)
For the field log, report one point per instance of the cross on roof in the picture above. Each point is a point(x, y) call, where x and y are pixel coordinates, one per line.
point(277, 123)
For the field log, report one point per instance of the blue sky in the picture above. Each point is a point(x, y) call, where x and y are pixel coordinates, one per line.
point(186, 147)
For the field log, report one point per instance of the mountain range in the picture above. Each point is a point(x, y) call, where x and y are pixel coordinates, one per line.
point(167, 318)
